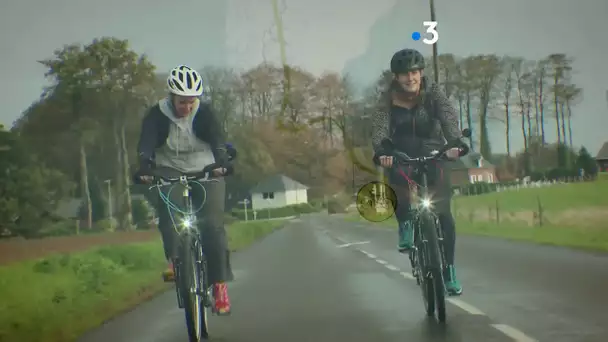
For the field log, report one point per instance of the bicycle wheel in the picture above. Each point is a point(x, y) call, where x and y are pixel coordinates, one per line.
point(433, 274)
point(196, 316)
point(419, 261)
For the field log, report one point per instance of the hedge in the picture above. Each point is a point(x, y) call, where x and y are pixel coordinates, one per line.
point(290, 210)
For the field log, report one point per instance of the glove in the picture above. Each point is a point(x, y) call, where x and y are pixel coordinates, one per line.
point(145, 169)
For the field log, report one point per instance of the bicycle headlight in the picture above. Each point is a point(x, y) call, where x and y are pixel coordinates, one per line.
point(187, 223)
point(426, 203)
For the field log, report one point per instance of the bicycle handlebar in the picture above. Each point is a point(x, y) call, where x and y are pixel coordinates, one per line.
point(402, 157)
point(199, 175)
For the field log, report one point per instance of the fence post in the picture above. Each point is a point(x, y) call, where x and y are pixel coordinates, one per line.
point(540, 212)
point(497, 213)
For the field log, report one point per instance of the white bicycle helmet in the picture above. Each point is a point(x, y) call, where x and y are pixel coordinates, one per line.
point(185, 81)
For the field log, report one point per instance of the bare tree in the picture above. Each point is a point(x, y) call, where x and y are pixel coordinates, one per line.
point(560, 66)
point(507, 92)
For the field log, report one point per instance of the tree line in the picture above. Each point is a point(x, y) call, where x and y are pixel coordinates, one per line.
point(79, 137)
point(535, 96)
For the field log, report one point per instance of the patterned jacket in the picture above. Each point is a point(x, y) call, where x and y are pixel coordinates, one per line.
point(443, 123)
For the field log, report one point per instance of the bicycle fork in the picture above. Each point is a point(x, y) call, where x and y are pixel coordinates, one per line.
point(178, 287)
point(420, 250)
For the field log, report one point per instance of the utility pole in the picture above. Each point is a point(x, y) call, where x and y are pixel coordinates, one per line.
point(352, 147)
point(110, 213)
point(435, 67)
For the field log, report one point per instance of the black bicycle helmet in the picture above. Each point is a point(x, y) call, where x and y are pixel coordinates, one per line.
point(406, 60)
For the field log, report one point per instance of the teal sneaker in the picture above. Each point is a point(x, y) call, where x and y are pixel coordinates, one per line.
point(406, 236)
point(452, 285)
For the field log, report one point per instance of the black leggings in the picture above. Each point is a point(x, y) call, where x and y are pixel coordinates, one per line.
point(210, 224)
point(441, 190)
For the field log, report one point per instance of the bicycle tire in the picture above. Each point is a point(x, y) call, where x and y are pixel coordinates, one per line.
point(433, 276)
point(194, 309)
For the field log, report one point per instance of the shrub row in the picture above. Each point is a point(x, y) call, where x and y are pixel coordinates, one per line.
point(290, 210)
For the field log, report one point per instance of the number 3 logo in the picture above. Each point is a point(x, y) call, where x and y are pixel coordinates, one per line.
point(431, 25)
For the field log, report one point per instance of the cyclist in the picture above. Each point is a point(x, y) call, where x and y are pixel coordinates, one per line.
point(418, 117)
point(182, 133)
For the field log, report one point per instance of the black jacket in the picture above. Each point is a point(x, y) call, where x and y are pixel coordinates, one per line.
point(206, 127)
point(436, 118)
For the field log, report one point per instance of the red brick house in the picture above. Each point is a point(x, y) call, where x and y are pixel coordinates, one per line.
point(602, 158)
point(473, 168)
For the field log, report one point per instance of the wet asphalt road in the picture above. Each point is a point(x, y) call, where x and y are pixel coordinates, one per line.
point(305, 283)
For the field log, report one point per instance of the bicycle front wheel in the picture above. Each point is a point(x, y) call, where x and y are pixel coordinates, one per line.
point(192, 289)
point(435, 286)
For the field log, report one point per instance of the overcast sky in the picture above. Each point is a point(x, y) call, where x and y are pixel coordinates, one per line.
point(358, 36)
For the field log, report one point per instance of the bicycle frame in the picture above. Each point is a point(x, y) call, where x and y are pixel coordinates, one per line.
point(192, 288)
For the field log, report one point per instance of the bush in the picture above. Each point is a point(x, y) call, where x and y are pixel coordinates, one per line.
point(480, 188)
point(559, 173)
point(60, 228)
point(229, 219)
point(104, 225)
point(319, 203)
point(338, 204)
point(140, 211)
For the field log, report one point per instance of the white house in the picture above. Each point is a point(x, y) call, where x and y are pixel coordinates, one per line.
point(278, 191)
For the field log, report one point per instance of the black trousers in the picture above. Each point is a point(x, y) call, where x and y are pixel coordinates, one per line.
point(210, 220)
point(440, 189)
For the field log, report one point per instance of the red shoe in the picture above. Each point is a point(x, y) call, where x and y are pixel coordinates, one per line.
point(168, 273)
point(222, 301)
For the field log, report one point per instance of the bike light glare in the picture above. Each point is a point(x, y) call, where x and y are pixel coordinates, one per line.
point(187, 223)
point(426, 203)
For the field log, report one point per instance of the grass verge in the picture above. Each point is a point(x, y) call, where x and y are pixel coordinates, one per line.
point(584, 238)
point(554, 199)
point(591, 239)
point(61, 296)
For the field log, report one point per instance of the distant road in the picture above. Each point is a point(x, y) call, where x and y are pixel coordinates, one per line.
point(325, 279)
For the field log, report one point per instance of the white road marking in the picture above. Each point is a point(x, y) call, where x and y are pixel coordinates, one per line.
point(407, 275)
point(392, 268)
point(352, 243)
point(466, 307)
point(513, 333)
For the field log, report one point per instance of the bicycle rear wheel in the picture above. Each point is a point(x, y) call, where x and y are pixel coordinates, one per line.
point(192, 288)
point(433, 274)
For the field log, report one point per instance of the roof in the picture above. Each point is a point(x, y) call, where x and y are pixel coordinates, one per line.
point(469, 161)
point(277, 183)
point(603, 153)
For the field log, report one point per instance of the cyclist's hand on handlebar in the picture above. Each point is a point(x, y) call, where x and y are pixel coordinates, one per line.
point(386, 161)
point(453, 153)
point(220, 171)
point(146, 179)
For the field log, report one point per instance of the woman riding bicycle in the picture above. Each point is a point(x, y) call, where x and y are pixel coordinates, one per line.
point(417, 118)
point(181, 133)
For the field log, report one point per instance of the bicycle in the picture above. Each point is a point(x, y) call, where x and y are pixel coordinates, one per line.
point(427, 256)
point(193, 290)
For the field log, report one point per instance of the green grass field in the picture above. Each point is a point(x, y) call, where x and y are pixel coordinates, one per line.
point(574, 215)
point(554, 198)
point(61, 296)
